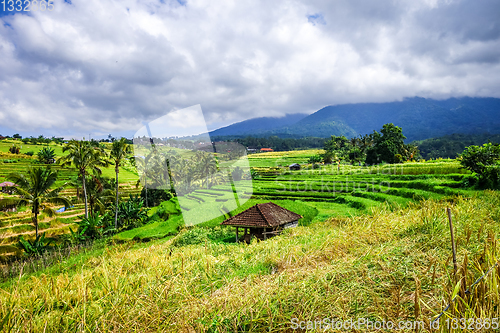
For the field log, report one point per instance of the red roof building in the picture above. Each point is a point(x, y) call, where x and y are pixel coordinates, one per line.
point(263, 220)
point(266, 149)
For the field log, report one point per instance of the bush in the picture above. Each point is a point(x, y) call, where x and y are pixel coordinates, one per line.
point(90, 228)
point(156, 196)
point(200, 235)
point(237, 174)
point(35, 247)
point(131, 214)
point(14, 150)
point(192, 236)
point(484, 161)
point(165, 210)
point(30, 153)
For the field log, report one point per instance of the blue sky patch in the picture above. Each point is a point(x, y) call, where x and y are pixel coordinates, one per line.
point(316, 19)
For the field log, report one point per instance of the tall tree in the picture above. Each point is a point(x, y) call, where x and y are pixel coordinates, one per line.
point(34, 190)
point(46, 155)
point(484, 161)
point(207, 166)
point(84, 155)
point(119, 153)
point(386, 146)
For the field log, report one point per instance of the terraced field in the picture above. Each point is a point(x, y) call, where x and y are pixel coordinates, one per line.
point(15, 224)
point(316, 193)
point(325, 192)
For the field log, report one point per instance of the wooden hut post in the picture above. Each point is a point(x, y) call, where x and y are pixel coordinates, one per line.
point(265, 235)
point(236, 234)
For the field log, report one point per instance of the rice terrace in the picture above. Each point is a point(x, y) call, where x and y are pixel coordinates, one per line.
point(372, 247)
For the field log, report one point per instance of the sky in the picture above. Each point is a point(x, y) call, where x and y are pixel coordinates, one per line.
point(104, 67)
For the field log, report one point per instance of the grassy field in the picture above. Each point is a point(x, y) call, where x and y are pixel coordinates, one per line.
point(391, 265)
point(373, 244)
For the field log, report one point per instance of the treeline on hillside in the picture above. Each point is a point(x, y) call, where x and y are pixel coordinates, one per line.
point(450, 146)
point(385, 147)
point(278, 144)
point(34, 140)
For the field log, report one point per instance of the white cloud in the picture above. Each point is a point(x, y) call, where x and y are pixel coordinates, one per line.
point(107, 66)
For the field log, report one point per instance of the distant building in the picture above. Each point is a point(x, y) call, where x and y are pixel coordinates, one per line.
point(263, 221)
point(263, 150)
point(294, 166)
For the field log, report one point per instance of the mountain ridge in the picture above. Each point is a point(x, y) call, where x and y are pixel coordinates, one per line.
point(420, 118)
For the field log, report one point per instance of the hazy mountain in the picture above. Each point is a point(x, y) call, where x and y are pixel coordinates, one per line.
point(420, 119)
point(258, 125)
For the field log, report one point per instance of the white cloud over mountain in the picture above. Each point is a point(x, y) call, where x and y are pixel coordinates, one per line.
point(107, 66)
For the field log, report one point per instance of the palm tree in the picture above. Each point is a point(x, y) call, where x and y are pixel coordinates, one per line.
point(143, 165)
point(34, 190)
point(119, 152)
point(84, 155)
point(46, 155)
point(354, 141)
point(99, 192)
point(207, 165)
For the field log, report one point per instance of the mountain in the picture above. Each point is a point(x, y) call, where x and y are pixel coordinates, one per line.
point(420, 118)
point(258, 125)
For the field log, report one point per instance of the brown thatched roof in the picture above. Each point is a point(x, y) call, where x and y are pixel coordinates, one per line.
point(265, 215)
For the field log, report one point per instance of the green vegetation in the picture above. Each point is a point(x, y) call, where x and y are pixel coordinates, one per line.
point(393, 265)
point(46, 155)
point(278, 144)
point(35, 191)
point(450, 146)
point(120, 149)
point(84, 155)
point(373, 242)
point(484, 161)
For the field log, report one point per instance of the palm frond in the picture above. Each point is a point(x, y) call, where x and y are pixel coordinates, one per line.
point(12, 202)
point(59, 200)
point(18, 179)
point(49, 211)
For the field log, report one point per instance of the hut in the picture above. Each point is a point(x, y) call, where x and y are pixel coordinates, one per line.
point(263, 221)
point(7, 187)
point(294, 166)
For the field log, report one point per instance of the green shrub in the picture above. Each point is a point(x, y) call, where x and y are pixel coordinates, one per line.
point(196, 235)
point(35, 247)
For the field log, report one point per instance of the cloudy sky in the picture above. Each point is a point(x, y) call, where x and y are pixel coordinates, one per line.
point(104, 66)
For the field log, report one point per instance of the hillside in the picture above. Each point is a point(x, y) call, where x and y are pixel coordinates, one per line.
point(420, 118)
point(449, 146)
point(258, 125)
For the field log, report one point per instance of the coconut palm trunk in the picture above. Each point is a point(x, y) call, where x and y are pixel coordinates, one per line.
point(119, 152)
point(35, 219)
point(85, 193)
point(116, 206)
point(146, 190)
